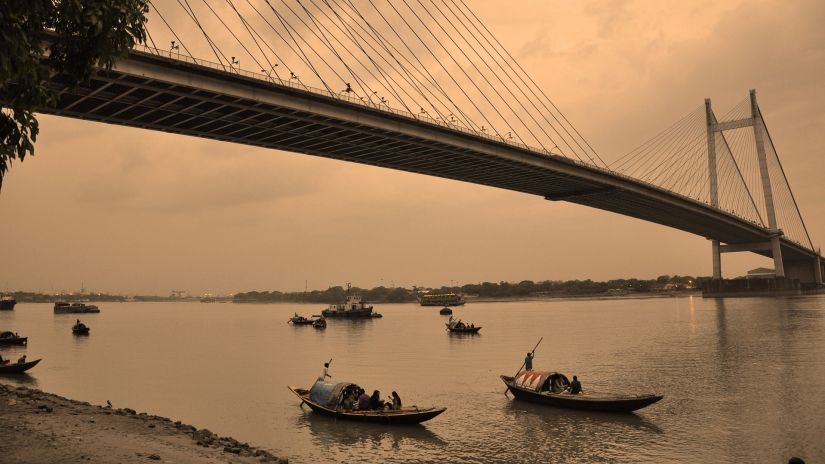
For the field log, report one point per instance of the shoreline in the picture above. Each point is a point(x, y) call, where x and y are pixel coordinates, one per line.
point(37, 426)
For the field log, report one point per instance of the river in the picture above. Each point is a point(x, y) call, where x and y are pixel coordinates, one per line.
point(743, 379)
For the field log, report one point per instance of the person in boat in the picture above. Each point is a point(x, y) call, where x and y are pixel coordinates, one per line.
point(376, 403)
point(363, 401)
point(324, 373)
point(396, 401)
point(528, 362)
point(575, 386)
point(2, 361)
point(22, 359)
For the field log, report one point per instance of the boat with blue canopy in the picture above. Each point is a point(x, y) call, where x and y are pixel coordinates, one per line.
point(335, 399)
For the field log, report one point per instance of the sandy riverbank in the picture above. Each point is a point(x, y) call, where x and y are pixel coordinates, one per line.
point(38, 427)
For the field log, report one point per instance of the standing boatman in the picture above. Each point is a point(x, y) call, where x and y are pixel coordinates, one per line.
point(324, 373)
point(528, 362)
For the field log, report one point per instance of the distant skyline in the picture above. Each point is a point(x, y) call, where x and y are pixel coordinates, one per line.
point(133, 211)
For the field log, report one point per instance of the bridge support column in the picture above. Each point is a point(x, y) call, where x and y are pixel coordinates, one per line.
point(717, 259)
point(818, 271)
point(776, 250)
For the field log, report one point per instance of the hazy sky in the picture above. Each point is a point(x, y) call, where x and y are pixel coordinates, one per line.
point(133, 211)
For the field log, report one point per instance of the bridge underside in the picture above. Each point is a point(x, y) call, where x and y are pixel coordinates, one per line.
point(168, 95)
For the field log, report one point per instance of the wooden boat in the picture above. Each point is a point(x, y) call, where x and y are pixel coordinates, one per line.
point(80, 329)
point(326, 398)
point(445, 311)
point(299, 320)
point(549, 388)
point(320, 323)
point(456, 326)
point(11, 338)
point(17, 368)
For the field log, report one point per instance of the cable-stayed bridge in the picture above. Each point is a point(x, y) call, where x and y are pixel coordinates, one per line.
point(425, 87)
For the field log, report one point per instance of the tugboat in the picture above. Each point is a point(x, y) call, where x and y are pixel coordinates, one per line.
point(353, 308)
point(7, 303)
point(80, 328)
point(61, 307)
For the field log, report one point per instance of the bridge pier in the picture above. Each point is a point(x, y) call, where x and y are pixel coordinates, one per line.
point(818, 270)
point(717, 259)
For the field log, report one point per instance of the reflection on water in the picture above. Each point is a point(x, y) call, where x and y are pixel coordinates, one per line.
point(742, 378)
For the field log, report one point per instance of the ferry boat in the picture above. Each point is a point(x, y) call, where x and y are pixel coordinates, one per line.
point(353, 307)
point(441, 299)
point(61, 307)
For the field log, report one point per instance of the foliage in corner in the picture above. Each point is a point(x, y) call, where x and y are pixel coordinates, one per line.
point(41, 39)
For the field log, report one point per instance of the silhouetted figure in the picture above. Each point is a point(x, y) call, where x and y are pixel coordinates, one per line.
point(396, 401)
point(528, 362)
point(22, 359)
point(324, 373)
point(108, 404)
point(375, 401)
point(575, 386)
point(363, 401)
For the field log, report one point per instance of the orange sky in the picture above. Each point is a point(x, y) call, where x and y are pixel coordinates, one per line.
point(133, 211)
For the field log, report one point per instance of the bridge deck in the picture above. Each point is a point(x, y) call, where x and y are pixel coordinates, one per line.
point(159, 93)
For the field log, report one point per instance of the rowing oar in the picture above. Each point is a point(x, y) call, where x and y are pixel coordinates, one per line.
point(522, 365)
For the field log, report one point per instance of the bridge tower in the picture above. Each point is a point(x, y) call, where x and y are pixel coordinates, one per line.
point(755, 121)
point(812, 271)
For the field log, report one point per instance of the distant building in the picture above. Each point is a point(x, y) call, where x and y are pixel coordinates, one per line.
point(761, 273)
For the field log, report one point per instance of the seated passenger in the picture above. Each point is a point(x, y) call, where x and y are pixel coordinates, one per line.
point(575, 386)
point(22, 359)
point(396, 401)
point(376, 403)
point(363, 401)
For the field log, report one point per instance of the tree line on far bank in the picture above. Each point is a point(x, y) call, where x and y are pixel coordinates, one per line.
point(525, 288)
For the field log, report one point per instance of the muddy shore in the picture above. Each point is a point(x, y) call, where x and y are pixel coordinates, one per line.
point(39, 427)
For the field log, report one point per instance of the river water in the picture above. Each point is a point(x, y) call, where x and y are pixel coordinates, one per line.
point(743, 379)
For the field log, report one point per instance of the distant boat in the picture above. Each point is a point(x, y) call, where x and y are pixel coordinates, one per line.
point(457, 326)
point(320, 323)
point(353, 307)
point(7, 303)
point(549, 388)
point(441, 299)
point(445, 311)
point(328, 399)
point(299, 320)
point(80, 329)
point(11, 338)
point(17, 368)
point(61, 307)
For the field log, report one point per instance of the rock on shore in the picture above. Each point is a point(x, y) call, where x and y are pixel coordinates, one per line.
point(39, 427)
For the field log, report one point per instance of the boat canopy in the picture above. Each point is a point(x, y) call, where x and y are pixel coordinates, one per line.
point(7, 334)
point(539, 381)
point(327, 393)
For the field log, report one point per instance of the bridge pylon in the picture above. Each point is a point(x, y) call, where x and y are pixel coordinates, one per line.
point(755, 121)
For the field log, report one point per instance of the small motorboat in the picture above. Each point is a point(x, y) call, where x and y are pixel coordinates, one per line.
point(329, 398)
point(550, 388)
point(299, 320)
point(320, 323)
point(8, 367)
point(445, 311)
point(80, 329)
point(11, 338)
point(456, 326)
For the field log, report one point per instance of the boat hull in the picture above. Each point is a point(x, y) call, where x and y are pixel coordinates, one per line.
point(407, 416)
point(582, 402)
point(13, 341)
point(349, 314)
point(466, 330)
point(76, 311)
point(18, 368)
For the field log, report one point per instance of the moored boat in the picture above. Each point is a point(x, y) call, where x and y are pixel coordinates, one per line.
point(18, 367)
point(61, 307)
point(80, 329)
point(457, 326)
point(329, 398)
point(11, 338)
point(7, 303)
point(549, 388)
point(440, 299)
point(353, 307)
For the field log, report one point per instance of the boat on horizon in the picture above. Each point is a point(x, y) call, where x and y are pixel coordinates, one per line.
point(353, 308)
point(440, 299)
point(7, 303)
point(62, 307)
point(328, 398)
point(319, 323)
point(549, 388)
